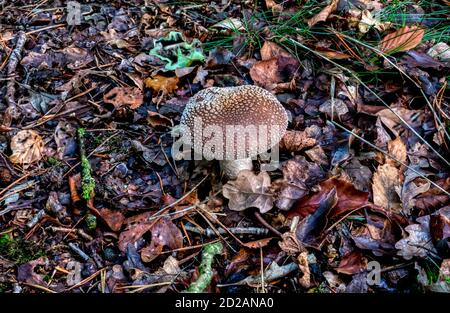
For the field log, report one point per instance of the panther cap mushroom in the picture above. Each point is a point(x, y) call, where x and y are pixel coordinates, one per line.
point(229, 109)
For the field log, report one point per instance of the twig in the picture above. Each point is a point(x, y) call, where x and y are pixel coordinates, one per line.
point(267, 225)
point(11, 70)
point(235, 230)
point(78, 251)
point(36, 218)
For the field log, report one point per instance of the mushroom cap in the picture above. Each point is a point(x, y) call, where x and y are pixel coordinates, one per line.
point(228, 108)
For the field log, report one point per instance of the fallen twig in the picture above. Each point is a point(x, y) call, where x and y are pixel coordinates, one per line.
point(11, 71)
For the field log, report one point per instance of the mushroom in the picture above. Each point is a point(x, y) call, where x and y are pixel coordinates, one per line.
point(233, 125)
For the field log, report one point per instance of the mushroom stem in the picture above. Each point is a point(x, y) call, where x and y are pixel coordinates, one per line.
point(231, 168)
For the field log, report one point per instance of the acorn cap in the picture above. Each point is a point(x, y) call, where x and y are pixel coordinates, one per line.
point(225, 108)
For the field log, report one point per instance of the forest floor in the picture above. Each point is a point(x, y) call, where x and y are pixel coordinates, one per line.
point(91, 199)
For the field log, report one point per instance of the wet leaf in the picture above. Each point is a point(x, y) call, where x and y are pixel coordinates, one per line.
point(249, 190)
point(27, 147)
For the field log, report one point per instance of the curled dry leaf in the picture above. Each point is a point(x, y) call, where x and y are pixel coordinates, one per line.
point(27, 147)
point(124, 96)
point(162, 84)
point(323, 15)
point(404, 39)
point(249, 190)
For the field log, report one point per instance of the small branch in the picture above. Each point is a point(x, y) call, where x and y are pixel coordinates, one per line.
point(78, 251)
point(14, 59)
point(270, 227)
point(235, 230)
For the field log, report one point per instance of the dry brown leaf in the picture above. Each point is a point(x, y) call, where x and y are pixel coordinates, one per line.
point(397, 149)
point(303, 265)
point(323, 15)
point(161, 83)
point(164, 233)
point(249, 190)
point(418, 243)
point(386, 180)
point(404, 39)
point(27, 147)
point(335, 54)
point(297, 140)
point(124, 96)
point(277, 66)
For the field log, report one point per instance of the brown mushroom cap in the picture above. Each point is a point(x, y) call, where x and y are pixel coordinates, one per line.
point(236, 106)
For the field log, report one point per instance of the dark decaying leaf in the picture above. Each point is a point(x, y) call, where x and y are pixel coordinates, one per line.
point(298, 176)
point(352, 263)
point(348, 198)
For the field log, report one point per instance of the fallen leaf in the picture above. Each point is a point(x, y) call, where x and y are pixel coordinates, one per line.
point(334, 107)
point(323, 15)
point(352, 263)
point(440, 51)
point(249, 190)
point(164, 234)
point(397, 149)
point(418, 243)
point(258, 243)
point(298, 176)
point(113, 218)
point(230, 23)
point(161, 83)
point(349, 198)
point(27, 147)
point(124, 96)
point(277, 65)
point(404, 39)
point(295, 140)
point(136, 227)
point(26, 273)
point(303, 265)
point(386, 180)
point(336, 55)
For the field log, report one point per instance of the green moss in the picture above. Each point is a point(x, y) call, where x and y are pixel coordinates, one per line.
point(91, 222)
point(205, 269)
point(87, 181)
point(19, 251)
point(52, 161)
